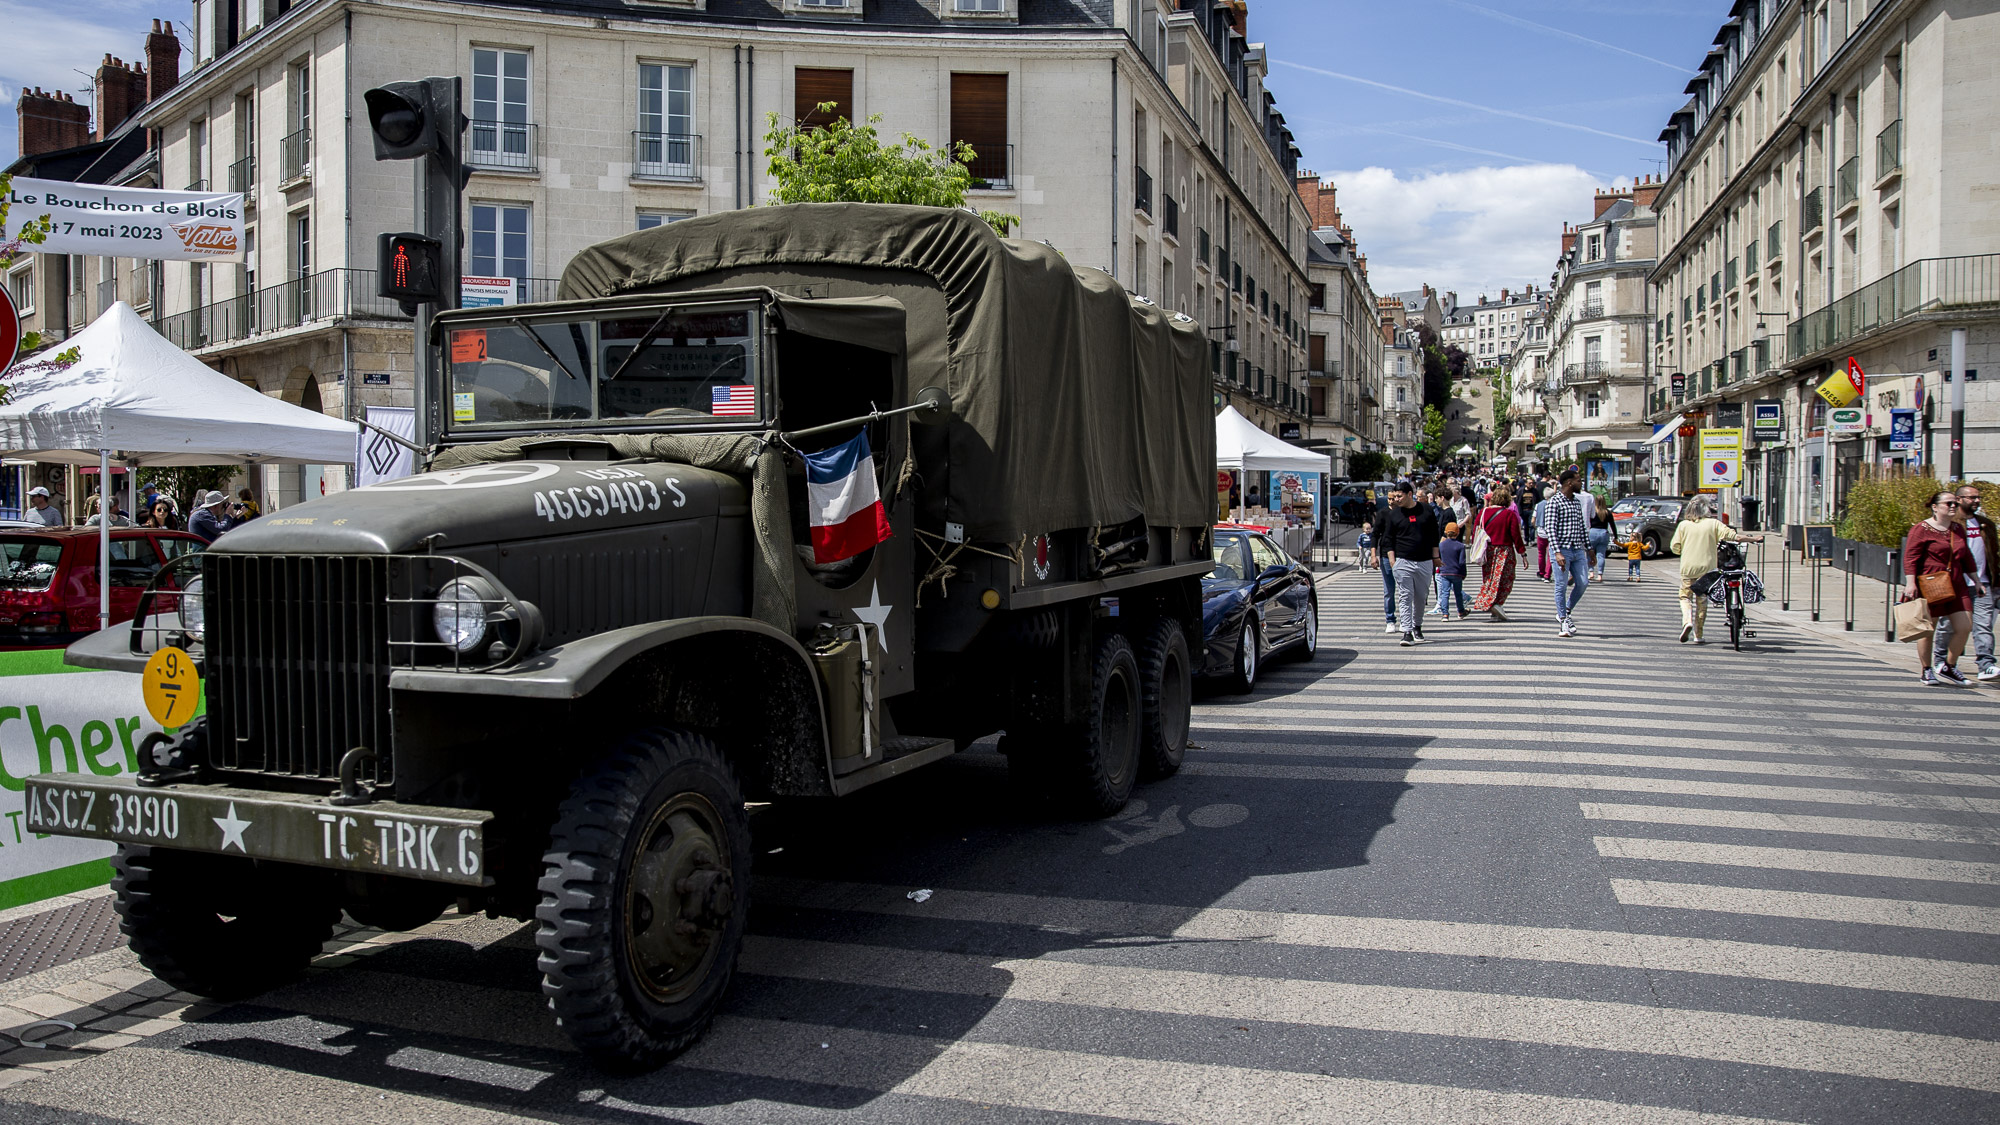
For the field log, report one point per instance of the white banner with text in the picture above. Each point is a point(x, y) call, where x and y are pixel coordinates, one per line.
point(183, 226)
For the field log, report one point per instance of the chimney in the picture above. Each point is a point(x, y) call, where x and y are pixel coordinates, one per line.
point(1646, 191)
point(163, 60)
point(1503, 296)
point(1569, 238)
point(121, 90)
point(50, 120)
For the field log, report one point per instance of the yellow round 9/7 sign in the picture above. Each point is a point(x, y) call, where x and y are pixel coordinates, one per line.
point(172, 687)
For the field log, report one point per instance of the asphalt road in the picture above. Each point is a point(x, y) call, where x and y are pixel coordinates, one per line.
point(1499, 877)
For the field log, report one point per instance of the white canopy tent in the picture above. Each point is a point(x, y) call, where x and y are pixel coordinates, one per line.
point(134, 399)
point(1241, 447)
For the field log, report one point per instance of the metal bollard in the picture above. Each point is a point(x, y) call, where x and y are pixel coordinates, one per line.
point(1850, 589)
point(1785, 599)
point(1816, 568)
point(1889, 596)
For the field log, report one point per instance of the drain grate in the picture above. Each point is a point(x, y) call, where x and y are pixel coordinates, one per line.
point(57, 937)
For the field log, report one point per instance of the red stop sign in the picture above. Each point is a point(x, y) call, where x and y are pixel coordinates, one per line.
point(10, 330)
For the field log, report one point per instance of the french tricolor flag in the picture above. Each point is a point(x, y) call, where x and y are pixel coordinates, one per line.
point(847, 515)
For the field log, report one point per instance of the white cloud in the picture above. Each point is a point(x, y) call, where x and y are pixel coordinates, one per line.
point(1477, 230)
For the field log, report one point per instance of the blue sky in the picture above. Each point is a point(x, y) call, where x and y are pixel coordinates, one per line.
point(1462, 135)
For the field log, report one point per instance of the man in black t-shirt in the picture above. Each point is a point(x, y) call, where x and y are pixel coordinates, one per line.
point(1406, 538)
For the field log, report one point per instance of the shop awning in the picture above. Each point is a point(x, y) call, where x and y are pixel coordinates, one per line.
point(1666, 431)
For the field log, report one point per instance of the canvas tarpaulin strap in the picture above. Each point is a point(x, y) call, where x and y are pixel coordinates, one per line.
point(773, 600)
point(1074, 405)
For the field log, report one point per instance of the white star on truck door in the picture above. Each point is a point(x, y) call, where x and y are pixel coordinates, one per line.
point(876, 614)
point(232, 830)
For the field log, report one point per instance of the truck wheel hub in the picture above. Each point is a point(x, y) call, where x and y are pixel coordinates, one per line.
point(680, 897)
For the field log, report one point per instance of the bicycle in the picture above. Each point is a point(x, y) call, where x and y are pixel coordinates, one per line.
point(1739, 586)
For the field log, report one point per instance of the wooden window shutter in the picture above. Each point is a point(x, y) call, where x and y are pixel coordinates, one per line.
point(813, 85)
point(1318, 352)
point(979, 118)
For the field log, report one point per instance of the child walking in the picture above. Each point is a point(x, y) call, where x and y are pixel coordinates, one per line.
point(1366, 542)
point(1451, 570)
point(1635, 549)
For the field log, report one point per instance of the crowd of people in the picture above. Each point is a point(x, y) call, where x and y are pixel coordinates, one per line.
point(214, 512)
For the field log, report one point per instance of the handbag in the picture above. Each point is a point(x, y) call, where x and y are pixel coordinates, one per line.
point(1700, 587)
point(1913, 620)
point(1479, 539)
point(1936, 586)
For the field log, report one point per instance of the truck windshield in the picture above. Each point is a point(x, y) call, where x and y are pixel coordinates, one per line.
point(666, 366)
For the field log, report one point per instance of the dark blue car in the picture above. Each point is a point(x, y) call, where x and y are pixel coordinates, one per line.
point(1257, 602)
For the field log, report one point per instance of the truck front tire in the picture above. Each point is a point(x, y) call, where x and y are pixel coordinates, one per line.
point(220, 926)
point(1166, 689)
point(645, 896)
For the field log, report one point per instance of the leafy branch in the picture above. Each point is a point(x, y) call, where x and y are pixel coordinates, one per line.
point(847, 163)
point(32, 233)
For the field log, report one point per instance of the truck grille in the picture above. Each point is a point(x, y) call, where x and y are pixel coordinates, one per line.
point(298, 663)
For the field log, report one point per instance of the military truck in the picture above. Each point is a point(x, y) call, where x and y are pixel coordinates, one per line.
point(543, 677)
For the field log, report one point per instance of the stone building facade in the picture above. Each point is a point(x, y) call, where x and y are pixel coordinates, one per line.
point(1595, 382)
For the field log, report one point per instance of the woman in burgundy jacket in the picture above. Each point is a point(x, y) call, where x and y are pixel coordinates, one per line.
point(1937, 546)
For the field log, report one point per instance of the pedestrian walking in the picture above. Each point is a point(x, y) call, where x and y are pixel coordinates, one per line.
point(1982, 538)
point(117, 518)
point(160, 516)
point(210, 519)
point(1541, 539)
point(40, 510)
point(1938, 567)
point(1695, 541)
point(1600, 537)
point(1500, 522)
point(1451, 571)
point(1635, 551)
point(1365, 543)
point(1408, 539)
point(1566, 514)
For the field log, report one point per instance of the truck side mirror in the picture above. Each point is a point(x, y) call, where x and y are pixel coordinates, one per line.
point(933, 407)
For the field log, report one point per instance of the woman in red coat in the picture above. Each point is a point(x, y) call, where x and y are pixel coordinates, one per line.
point(1502, 525)
point(1937, 546)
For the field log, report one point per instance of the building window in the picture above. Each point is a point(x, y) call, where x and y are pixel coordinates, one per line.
point(500, 108)
point(198, 155)
point(979, 119)
point(249, 260)
point(1399, 390)
point(21, 287)
point(979, 5)
point(666, 142)
point(1593, 405)
point(650, 219)
point(816, 86)
point(302, 246)
point(499, 241)
point(1593, 247)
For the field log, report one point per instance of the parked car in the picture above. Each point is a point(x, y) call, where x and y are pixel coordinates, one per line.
point(1651, 518)
point(48, 580)
point(1257, 602)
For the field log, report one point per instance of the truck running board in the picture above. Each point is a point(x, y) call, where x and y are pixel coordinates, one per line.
point(899, 755)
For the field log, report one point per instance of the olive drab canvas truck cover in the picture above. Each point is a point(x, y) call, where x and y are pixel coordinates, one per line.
point(1074, 405)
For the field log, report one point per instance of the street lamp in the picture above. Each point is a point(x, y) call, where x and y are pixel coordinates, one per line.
point(1229, 341)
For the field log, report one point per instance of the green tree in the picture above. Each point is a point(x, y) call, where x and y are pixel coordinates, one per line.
point(848, 163)
point(186, 483)
point(1431, 450)
point(1370, 466)
point(32, 233)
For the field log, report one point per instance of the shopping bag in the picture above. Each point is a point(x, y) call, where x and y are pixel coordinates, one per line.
point(1913, 620)
point(1479, 540)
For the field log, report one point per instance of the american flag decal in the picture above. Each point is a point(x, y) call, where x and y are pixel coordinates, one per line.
point(736, 401)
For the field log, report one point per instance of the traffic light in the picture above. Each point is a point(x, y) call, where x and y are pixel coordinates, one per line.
point(409, 268)
point(415, 119)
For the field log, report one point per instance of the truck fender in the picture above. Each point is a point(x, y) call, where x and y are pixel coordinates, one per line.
point(779, 741)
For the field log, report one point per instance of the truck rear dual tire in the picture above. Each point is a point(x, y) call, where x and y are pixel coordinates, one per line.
point(1089, 769)
point(645, 896)
point(1166, 699)
point(220, 926)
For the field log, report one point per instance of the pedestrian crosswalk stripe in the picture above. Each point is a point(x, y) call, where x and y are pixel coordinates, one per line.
point(1863, 1052)
point(1274, 771)
point(1791, 822)
point(1797, 859)
point(1855, 909)
point(1606, 948)
point(1446, 751)
point(1175, 1092)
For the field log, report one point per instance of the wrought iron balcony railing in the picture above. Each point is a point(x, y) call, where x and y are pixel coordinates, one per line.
point(502, 146)
point(1848, 183)
point(1142, 190)
point(1889, 150)
point(992, 167)
point(666, 156)
point(295, 155)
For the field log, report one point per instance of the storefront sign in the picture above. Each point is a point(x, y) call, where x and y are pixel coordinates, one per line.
point(78, 722)
point(1843, 386)
point(485, 292)
point(1902, 428)
point(1767, 421)
point(1729, 415)
point(114, 222)
point(1680, 382)
point(1288, 431)
point(1721, 457)
point(1846, 420)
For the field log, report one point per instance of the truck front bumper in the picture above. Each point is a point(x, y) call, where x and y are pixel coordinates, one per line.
point(437, 845)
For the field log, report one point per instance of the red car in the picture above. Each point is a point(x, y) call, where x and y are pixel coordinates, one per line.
point(48, 580)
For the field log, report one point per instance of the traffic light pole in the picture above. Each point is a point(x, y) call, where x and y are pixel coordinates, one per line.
point(439, 183)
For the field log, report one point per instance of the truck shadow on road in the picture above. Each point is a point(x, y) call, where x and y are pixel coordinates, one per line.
point(854, 983)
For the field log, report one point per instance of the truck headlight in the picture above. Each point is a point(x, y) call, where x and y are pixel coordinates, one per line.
point(193, 620)
point(461, 613)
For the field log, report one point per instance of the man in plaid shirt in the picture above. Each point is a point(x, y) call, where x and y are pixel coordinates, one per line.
point(1568, 524)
